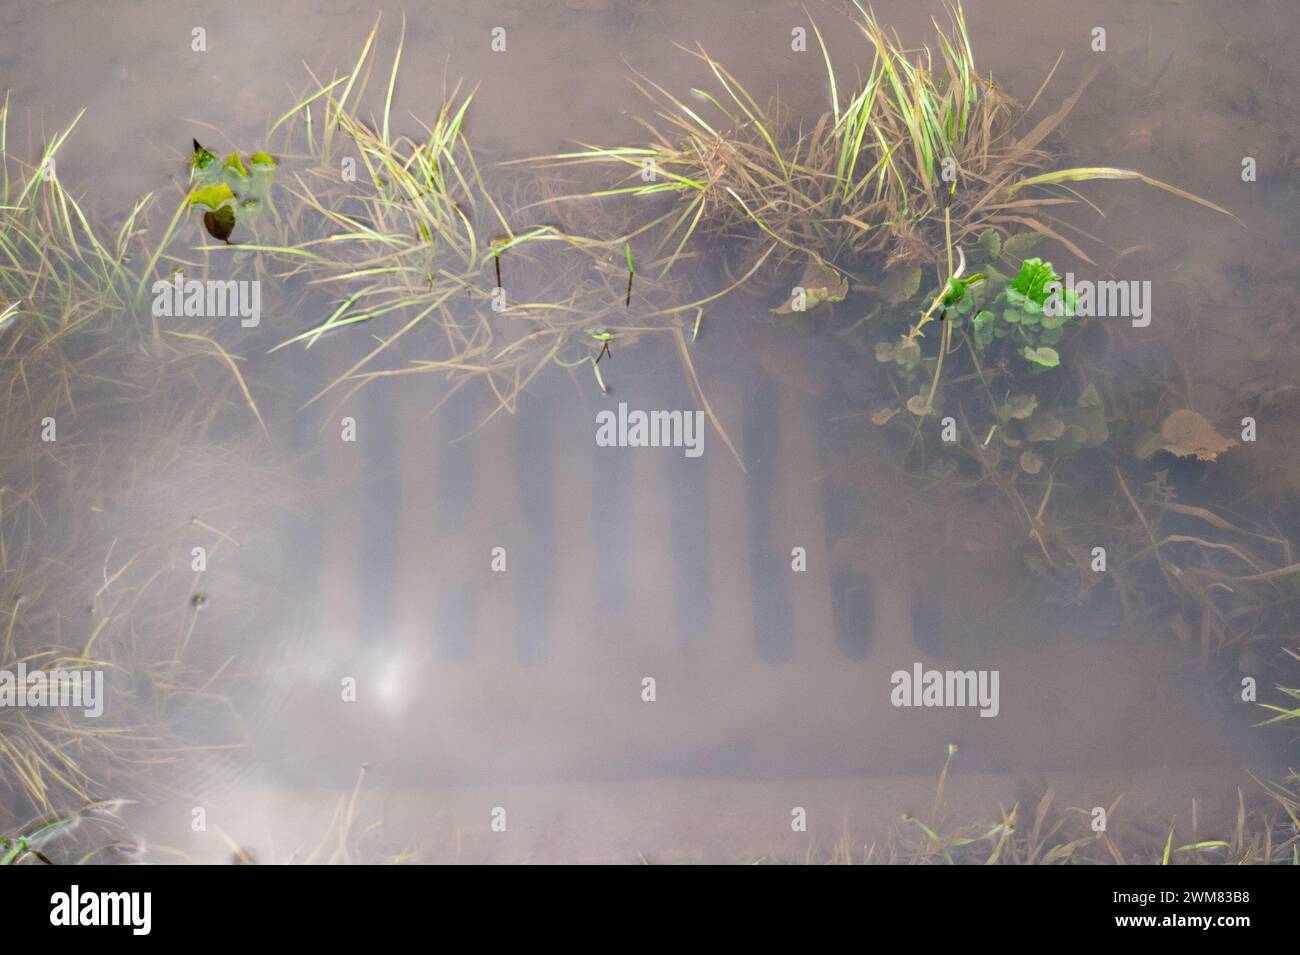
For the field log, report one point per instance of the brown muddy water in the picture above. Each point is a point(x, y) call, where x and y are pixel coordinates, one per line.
point(515, 679)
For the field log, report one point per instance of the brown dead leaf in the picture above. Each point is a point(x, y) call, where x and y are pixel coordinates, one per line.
point(1187, 434)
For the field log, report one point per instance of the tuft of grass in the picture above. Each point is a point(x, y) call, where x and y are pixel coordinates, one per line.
point(64, 281)
point(89, 580)
point(93, 834)
point(1285, 713)
point(925, 139)
point(144, 408)
point(419, 246)
point(1052, 835)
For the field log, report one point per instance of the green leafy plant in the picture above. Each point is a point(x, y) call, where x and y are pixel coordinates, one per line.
point(1041, 435)
point(1029, 314)
point(229, 191)
point(203, 161)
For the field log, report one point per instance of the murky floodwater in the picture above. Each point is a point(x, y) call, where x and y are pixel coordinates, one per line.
point(500, 593)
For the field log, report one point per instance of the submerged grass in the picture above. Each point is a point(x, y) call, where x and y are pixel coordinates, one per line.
point(123, 445)
point(417, 236)
point(94, 834)
point(69, 289)
point(916, 161)
point(97, 540)
point(1042, 832)
point(1285, 713)
point(925, 138)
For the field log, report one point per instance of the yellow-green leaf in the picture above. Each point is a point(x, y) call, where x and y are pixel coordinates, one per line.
point(212, 196)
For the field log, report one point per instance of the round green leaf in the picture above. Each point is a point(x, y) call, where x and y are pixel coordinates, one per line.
point(1044, 357)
